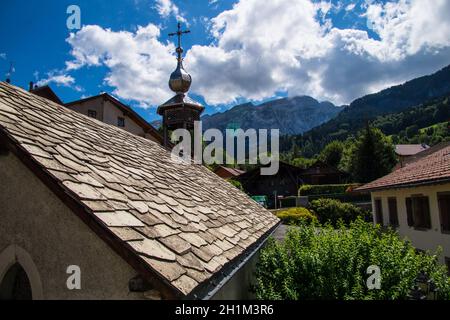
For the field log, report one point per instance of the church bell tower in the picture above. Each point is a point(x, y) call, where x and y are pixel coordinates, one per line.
point(180, 112)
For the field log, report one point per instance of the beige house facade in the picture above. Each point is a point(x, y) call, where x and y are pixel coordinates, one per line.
point(426, 205)
point(108, 109)
point(415, 200)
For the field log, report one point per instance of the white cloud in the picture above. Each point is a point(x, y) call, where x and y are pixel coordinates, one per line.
point(285, 45)
point(3, 56)
point(282, 46)
point(167, 8)
point(139, 65)
point(350, 7)
point(58, 78)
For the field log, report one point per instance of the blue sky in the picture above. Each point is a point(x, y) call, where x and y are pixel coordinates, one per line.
point(238, 51)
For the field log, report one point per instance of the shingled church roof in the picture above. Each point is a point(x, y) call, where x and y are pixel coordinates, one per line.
point(178, 223)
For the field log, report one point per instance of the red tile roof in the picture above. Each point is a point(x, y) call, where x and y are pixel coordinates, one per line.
point(432, 169)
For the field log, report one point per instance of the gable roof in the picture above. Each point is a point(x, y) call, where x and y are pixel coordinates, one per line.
point(232, 171)
point(431, 169)
point(48, 93)
point(410, 149)
point(178, 225)
point(128, 111)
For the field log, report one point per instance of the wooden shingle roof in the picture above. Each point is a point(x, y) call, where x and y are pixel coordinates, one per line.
point(178, 223)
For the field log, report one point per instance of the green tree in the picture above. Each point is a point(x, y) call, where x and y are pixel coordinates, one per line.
point(303, 162)
point(321, 263)
point(332, 153)
point(372, 156)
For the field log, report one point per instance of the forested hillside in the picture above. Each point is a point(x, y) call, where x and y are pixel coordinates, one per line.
point(385, 109)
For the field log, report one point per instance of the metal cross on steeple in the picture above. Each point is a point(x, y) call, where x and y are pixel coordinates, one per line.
point(179, 34)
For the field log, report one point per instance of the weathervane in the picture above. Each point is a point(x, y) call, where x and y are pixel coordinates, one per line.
point(179, 34)
point(10, 72)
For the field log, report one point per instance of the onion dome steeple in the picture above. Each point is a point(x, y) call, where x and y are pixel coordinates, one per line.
point(180, 111)
point(180, 81)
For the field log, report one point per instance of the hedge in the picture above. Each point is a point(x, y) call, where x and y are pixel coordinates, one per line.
point(310, 190)
point(344, 197)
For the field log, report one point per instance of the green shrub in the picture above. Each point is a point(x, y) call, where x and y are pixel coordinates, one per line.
point(296, 216)
point(332, 211)
point(237, 184)
point(311, 190)
point(324, 263)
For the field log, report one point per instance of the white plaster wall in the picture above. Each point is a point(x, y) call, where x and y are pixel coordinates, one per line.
point(34, 219)
point(110, 115)
point(95, 104)
point(424, 240)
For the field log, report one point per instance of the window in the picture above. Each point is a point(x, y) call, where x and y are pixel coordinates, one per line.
point(92, 114)
point(378, 211)
point(444, 211)
point(393, 212)
point(121, 122)
point(418, 212)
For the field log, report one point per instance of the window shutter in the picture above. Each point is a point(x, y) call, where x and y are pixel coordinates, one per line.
point(426, 211)
point(409, 212)
point(444, 209)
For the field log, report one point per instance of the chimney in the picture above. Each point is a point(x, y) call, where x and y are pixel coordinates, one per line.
point(31, 86)
point(8, 80)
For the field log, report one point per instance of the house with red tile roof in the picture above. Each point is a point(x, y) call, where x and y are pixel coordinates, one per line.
point(415, 200)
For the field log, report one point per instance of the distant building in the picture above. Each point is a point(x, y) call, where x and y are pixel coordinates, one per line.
point(288, 180)
point(108, 109)
point(322, 173)
point(283, 184)
point(405, 151)
point(228, 173)
point(415, 199)
point(45, 92)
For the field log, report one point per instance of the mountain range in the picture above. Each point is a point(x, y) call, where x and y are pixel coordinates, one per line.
point(311, 124)
point(292, 116)
point(366, 109)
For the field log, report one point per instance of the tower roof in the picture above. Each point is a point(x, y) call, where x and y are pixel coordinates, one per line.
point(180, 100)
